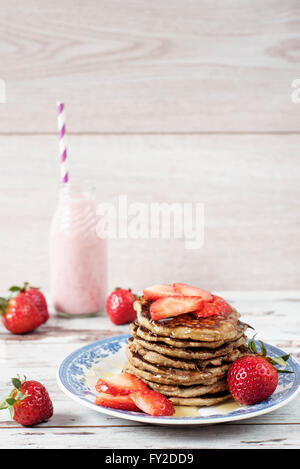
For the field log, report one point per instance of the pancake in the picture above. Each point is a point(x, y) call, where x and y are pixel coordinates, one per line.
point(176, 376)
point(206, 378)
point(187, 326)
point(228, 358)
point(145, 334)
point(145, 339)
point(183, 363)
point(206, 400)
point(158, 359)
point(188, 391)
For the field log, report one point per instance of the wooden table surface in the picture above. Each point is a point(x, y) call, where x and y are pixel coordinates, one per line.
point(275, 317)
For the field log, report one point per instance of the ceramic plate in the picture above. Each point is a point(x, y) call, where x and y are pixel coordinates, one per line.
point(79, 371)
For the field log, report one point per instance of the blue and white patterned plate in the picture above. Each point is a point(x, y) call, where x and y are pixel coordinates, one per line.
point(78, 374)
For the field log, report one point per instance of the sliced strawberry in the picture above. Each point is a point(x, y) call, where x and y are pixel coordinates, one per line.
point(116, 402)
point(218, 307)
point(174, 306)
point(188, 290)
point(122, 384)
point(158, 291)
point(153, 403)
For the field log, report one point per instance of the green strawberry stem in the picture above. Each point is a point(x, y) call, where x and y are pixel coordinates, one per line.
point(15, 396)
point(16, 289)
point(280, 361)
point(129, 289)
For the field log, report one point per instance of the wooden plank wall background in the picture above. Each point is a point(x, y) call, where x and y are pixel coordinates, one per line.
point(173, 101)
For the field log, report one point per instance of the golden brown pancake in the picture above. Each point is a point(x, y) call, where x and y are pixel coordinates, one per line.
point(176, 376)
point(188, 391)
point(183, 363)
point(186, 343)
point(206, 400)
point(144, 338)
point(169, 379)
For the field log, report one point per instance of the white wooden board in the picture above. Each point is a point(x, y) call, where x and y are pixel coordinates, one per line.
point(249, 186)
point(144, 66)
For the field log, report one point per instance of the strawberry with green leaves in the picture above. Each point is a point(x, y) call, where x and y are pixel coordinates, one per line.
point(24, 310)
point(29, 402)
point(35, 296)
point(253, 377)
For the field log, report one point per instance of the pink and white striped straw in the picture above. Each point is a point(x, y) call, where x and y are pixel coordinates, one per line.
point(61, 121)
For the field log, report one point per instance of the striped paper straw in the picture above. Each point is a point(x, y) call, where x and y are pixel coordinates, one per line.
point(61, 121)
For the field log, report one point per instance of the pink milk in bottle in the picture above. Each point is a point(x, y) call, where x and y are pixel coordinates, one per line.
point(78, 271)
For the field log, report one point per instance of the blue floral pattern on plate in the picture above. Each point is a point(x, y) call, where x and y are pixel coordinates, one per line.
point(95, 359)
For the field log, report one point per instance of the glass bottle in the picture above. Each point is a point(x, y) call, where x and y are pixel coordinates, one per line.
point(78, 266)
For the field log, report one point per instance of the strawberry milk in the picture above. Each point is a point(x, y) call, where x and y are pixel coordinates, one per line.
point(78, 272)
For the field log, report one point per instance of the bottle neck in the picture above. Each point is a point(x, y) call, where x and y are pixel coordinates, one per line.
point(76, 211)
point(80, 191)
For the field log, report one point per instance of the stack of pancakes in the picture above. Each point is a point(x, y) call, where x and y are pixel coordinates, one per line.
point(185, 358)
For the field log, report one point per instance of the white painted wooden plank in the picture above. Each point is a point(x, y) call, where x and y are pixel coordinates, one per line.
point(153, 437)
point(68, 414)
point(248, 184)
point(148, 66)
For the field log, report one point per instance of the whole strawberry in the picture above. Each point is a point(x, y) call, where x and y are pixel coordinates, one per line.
point(252, 378)
point(35, 296)
point(29, 402)
point(119, 306)
point(19, 315)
